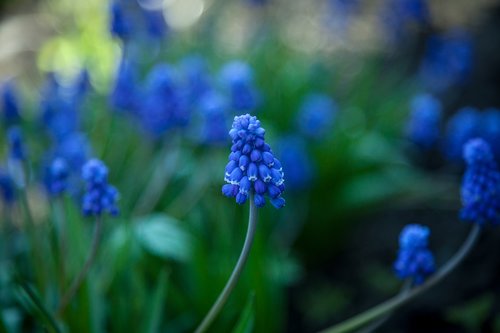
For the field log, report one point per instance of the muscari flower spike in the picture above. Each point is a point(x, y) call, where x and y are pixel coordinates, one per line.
point(424, 122)
point(252, 167)
point(415, 261)
point(10, 104)
point(481, 185)
point(316, 115)
point(17, 150)
point(56, 176)
point(7, 187)
point(99, 197)
point(461, 127)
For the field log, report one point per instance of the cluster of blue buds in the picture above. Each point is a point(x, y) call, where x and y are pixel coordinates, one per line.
point(16, 144)
point(56, 176)
point(425, 118)
point(415, 261)
point(99, 197)
point(252, 167)
point(7, 187)
point(481, 185)
point(316, 115)
point(10, 104)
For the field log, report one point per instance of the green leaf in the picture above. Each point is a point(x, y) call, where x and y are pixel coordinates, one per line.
point(155, 308)
point(164, 236)
point(247, 319)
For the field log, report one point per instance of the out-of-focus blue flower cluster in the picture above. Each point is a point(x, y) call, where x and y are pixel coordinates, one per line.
point(415, 261)
point(99, 196)
point(10, 104)
point(56, 176)
point(447, 61)
point(469, 123)
point(425, 119)
point(252, 167)
point(481, 185)
point(7, 187)
point(316, 115)
point(131, 19)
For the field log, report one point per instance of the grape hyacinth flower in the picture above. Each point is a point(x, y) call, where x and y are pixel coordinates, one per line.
point(447, 61)
point(415, 261)
point(17, 150)
point(124, 94)
point(252, 167)
point(7, 187)
point(10, 104)
point(119, 25)
point(462, 126)
point(316, 115)
point(481, 185)
point(99, 197)
point(237, 79)
point(213, 112)
point(56, 177)
point(424, 122)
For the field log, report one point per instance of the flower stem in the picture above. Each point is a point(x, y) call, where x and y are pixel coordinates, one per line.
point(77, 282)
point(235, 275)
point(397, 301)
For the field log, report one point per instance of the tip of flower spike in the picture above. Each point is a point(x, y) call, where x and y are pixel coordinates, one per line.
point(477, 151)
point(414, 236)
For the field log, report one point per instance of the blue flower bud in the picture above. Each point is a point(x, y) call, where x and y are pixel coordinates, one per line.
point(268, 158)
point(273, 190)
point(278, 202)
point(244, 161)
point(230, 190)
point(99, 196)
point(264, 173)
point(236, 176)
point(260, 187)
point(256, 155)
point(259, 200)
point(241, 198)
point(252, 171)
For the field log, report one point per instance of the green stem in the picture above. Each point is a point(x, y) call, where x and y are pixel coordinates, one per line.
point(397, 301)
point(77, 282)
point(235, 275)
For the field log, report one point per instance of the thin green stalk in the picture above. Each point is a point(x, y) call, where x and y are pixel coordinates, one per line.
point(77, 282)
point(397, 301)
point(235, 275)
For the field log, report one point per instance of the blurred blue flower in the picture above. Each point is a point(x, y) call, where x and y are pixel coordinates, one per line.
point(316, 115)
point(237, 80)
point(119, 24)
point(399, 16)
point(415, 261)
point(165, 104)
point(423, 127)
point(461, 127)
point(447, 61)
point(252, 167)
point(56, 176)
point(213, 113)
point(490, 130)
point(7, 187)
point(17, 150)
point(198, 81)
point(481, 185)
point(156, 25)
point(10, 103)
point(75, 149)
point(296, 161)
point(124, 94)
point(99, 197)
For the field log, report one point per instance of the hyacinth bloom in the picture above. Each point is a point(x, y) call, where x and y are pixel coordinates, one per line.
point(124, 94)
point(156, 26)
point(481, 185)
point(425, 118)
point(415, 261)
point(237, 79)
point(316, 115)
point(447, 61)
point(296, 161)
point(10, 104)
point(252, 167)
point(490, 130)
point(99, 196)
point(462, 126)
point(119, 25)
point(214, 120)
point(7, 187)
point(165, 105)
point(56, 177)
point(17, 150)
